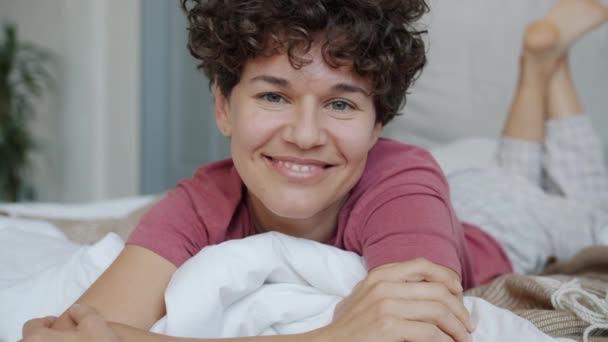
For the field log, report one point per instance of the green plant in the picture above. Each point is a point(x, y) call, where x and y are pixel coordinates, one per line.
point(24, 74)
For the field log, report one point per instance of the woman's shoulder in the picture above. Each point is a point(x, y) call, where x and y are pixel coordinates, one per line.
point(213, 194)
point(393, 165)
point(217, 180)
point(391, 158)
point(195, 214)
point(392, 150)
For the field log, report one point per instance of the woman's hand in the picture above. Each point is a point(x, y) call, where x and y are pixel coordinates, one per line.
point(409, 301)
point(90, 326)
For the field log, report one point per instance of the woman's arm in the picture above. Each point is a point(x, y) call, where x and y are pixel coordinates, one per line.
point(91, 327)
point(391, 304)
point(409, 301)
point(129, 334)
point(131, 291)
point(126, 300)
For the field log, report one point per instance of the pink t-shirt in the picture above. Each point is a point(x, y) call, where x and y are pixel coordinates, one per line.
point(399, 210)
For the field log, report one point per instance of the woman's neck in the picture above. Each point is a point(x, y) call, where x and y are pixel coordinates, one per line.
point(319, 228)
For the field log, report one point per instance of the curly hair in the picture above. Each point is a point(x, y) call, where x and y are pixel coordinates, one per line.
point(377, 37)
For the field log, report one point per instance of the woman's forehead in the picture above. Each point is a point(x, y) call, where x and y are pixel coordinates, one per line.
point(314, 68)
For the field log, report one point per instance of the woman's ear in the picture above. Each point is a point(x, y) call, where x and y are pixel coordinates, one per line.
point(222, 111)
point(375, 134)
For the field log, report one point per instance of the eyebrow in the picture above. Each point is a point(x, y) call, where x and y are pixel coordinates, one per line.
point(349, 88)
point(280, 82)
point(283, 83)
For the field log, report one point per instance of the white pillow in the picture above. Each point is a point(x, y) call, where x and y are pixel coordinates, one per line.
point(473, 51)
point(42, 272)
point(465, 154)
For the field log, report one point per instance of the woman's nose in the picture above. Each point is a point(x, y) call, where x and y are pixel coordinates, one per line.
point(305, 129)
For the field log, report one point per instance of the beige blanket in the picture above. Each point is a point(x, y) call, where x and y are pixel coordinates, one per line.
point(530, 296)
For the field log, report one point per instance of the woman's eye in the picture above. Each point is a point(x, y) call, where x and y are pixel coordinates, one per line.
point(272, 97)
point(340, 105)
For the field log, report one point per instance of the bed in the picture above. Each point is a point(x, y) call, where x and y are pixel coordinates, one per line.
point(64, 248)
point(473, 53)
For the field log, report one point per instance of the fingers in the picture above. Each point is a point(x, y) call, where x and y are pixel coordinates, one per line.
point(38, 323)
point(415, 300)
point(79, 312)
point(424, 281)
point(86, 318)
point(421, 331)
point(418, 270)
point(433, 313)
point(431, 292)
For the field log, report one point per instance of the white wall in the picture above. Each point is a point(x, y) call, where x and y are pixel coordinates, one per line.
point(473, 53)
point(89, 130)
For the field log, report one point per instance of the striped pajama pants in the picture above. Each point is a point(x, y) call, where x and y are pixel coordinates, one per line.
point(539, 200)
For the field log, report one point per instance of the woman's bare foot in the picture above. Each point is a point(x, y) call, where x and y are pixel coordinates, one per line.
point(546, 40)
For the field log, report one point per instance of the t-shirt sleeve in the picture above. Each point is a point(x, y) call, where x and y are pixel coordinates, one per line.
point(408, 222)
point(172, 228)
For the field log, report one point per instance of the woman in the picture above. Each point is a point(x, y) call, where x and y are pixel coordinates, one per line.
point(303, 89)
point(303, 94)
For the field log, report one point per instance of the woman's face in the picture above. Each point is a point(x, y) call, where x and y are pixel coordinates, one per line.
point(299, 137)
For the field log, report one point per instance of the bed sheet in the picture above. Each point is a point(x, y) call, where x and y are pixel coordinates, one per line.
point(42, 272)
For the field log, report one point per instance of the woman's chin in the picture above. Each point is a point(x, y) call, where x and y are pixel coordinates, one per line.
point(292, 212)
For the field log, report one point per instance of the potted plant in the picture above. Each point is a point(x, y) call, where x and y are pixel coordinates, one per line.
point(24, 74)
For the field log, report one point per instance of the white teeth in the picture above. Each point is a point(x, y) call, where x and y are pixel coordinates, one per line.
point(297, 167)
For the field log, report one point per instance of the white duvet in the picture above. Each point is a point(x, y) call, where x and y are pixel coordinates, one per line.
point(266, 284)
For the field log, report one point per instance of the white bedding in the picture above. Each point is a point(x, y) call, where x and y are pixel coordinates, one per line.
point(42, 272)
point(266, 284)
point(108, 209)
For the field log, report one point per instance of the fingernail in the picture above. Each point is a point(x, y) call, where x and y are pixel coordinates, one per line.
point(459, 286)
point(471, 326)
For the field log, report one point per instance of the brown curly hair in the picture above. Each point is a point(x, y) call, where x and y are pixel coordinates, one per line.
point(378, 37)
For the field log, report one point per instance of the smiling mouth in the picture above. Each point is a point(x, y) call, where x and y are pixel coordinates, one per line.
point(299, 166)
point(298, 169)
